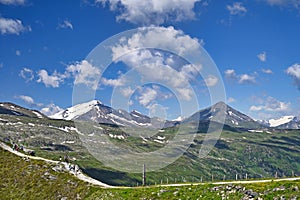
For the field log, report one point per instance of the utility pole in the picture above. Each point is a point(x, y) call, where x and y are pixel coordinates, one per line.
point(144, 174)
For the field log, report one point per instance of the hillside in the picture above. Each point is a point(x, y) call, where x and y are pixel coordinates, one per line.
point(33, 179)
point(23, 178)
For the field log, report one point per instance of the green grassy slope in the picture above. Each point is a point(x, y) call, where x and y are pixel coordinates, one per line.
point(33, 179)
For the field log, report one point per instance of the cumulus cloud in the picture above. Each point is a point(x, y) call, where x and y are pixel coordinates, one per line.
point(12, 2)
point(267, 71)
point(127, 91)
point(153, 65)
point(162, 37)
point(113, 82)
point(47, 110)
point(66, 24)
point(29, 101)
point(148, 12)
point(50, 109)
point(27, 74)
point(84, 73)
point(236, 8)
point(211, 81)
point(12, 26)
point(230, 74)
point(147, 96)
point(52, 80)
point(270, 104)
point(246, 78)
point(294, 72)
point(262, 57)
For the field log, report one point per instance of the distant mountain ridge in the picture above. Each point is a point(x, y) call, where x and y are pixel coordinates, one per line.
point(100, 113)
point(97, 112)
point(13, 109)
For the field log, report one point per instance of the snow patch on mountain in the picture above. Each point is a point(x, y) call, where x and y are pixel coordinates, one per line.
point(280, 121)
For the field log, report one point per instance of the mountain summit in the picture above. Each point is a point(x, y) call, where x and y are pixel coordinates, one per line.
point(220, 110)
point(97, 112)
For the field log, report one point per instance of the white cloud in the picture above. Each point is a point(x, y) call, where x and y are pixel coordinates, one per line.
point(127, 91)
point(50, 80)
point(18, 52)
point(190, 71)
point(236, 8)
point(113, 82)
point(267, 71)
point(284, 3)
point(29, 100)
point(262, 57)
point(152, 65)
point(12, 26)
point(270, 104)
point(294, 72)
point(147, 96)
point(230, 74)
point(84, 73)
point(159, 37)
point(51, 109)
point(211, 81)
point(27, 74)
point(246, 78)
point(242, 79)
point(47, 110)
point(149, 12)
point(230, 100)
point(12, 2)
point(65, 25)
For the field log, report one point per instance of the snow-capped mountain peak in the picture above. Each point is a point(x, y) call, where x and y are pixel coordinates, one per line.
point(76, 111)
point(178, 119)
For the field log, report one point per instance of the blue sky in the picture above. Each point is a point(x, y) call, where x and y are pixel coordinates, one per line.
point(254, 44)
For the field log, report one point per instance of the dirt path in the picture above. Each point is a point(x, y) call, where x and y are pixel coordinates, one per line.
point(78, 174)
point(236, 182)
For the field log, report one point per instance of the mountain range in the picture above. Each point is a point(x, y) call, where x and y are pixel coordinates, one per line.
point(97, 112)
